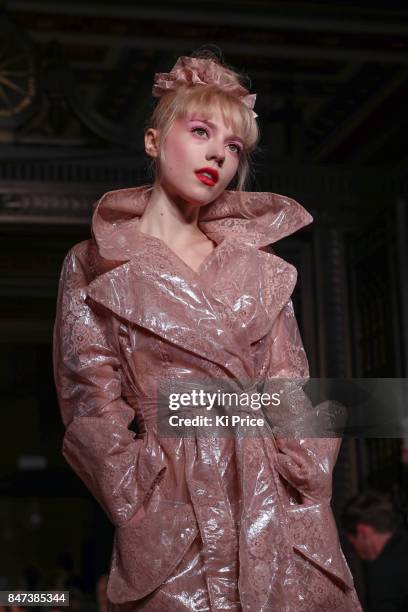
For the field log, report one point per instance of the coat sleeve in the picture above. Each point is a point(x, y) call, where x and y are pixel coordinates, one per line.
point(306, 463)
point(120, 469)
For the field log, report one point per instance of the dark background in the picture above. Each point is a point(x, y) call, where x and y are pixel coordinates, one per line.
point(75, 92)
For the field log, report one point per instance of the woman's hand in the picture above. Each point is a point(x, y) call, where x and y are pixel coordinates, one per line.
point(307, 465)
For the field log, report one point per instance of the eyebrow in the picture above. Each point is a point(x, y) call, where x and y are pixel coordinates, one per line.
point(212, 125)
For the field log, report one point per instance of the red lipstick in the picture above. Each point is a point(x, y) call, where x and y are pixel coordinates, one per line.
point(212, 177)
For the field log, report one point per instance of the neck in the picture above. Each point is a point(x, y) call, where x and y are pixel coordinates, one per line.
point(379, 542)
point(169, 218)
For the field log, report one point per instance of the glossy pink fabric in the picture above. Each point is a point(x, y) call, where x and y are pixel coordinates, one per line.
point(240, 523)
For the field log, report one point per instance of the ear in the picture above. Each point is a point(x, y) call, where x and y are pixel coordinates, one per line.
point(152, 142)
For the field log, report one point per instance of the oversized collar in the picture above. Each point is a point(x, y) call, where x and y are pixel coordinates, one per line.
point(256, 219)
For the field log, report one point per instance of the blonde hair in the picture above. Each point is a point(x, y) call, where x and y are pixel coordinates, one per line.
point(188, 99)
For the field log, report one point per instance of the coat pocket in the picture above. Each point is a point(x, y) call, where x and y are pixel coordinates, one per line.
point(147, 550)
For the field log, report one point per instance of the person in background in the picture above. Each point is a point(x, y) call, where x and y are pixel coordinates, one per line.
point(376, 531)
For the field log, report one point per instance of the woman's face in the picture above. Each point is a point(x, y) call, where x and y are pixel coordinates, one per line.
point(193, 146)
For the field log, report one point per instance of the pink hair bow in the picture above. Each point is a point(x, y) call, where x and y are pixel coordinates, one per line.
point(201, 71)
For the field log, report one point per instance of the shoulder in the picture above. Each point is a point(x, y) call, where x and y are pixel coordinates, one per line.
point(277, 271)
point(83, 261)
point(400, 539)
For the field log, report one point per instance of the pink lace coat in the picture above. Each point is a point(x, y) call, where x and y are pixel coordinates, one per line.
point(238, 523)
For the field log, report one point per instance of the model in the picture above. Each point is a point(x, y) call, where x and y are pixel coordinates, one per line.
point(177, 288)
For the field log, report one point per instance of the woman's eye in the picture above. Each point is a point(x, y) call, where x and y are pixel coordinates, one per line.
point(200, 129)
point(237, 147)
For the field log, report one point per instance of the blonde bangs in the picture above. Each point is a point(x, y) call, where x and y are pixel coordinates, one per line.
point(235, 114)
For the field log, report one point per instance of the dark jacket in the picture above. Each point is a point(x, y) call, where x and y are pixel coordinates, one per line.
point(387, 576)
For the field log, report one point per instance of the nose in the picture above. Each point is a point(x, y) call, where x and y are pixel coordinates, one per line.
point(216, 151)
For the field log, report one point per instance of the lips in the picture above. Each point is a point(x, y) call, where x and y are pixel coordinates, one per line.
point(208, 176)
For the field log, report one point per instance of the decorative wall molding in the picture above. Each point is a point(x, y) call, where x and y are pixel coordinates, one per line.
point(61, 185)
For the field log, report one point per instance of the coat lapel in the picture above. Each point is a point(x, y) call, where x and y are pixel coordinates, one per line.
point(253, 286)
point(155, 290)
point(216, 314)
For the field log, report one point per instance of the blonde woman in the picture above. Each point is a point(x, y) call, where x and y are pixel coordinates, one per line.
point(176, 287)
